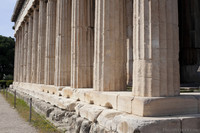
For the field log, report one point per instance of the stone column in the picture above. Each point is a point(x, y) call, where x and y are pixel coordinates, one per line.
point(16, 57)
point(35, 46)
point(41, 41)
point(25, 50)
point(50, 43)
point(156, 48)
point(19, 55)
point(110, 46)
point(129, 40)
point(29, 48)
point(63, 43)
point(82, 43)
point(22, 53)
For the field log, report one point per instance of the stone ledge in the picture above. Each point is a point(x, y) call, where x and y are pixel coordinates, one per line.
point(99, 119)
point(164, 106)
point(120, 101)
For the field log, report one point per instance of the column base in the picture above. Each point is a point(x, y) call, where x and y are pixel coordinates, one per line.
point(123, 101)
point(166, 106)
point(101, 118)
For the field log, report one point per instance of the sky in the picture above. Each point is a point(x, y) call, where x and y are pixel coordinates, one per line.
point(6, 11)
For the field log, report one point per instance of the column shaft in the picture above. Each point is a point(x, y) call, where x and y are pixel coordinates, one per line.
point(16, 57)
point(34, 62)
point(25, 50)
point(156, 48)
point(82, 43)
point(19, 55)
point(22, 54)
point(41, 42)
point(110, 46)
point(63, 43)
point(50, 43)
point(29, 49)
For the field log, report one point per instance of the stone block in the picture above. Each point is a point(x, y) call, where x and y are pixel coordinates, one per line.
point(90, 112)
point(51, 89)
point(105, 119)
point(124, 102)
point(134, 124)
point(67, 92)
point(79, 94)
point(105, 99)
point(164, 106)
point(191, 124)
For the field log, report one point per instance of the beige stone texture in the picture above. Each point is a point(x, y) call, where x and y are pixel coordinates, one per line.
point(29, 49)
point(105, 119)
point(110, 48)
point(163, 106)
point(63, 43)
point(91, 112)
point(191, 124)
point(82, 43)
point(49, 71)
point(119, 121)
point(132, 124)
point(41, 42)
point(124, 102)
point(105, 99)
point(80, 94)
point(156, 48)
point(35, 46)
point(67, 92)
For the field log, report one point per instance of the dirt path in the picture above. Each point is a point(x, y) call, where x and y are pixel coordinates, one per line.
point(10, 121)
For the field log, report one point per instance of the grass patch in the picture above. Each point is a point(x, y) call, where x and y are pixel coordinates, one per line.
point(38, 121)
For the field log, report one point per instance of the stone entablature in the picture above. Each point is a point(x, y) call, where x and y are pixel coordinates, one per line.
point(19, 16)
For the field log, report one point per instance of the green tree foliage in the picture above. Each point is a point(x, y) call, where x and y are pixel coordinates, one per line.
point(7, 47)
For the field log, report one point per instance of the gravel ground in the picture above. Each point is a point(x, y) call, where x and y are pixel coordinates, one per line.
point(10, 121)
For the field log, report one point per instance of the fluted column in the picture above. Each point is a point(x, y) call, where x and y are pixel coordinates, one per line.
point(25, 50)
point(29, 49)
point(16, 57)
point(156, 48)
point(22, 54)
point(50, 43)
point(19, 55)
point(41, 41)
point(110, 45)
point(82, 43)
point(129, 40)
point(63, 43)
point(35, 44)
